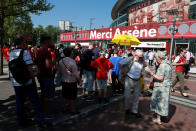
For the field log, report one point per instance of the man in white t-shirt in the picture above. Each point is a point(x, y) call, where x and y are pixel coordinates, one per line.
point(28, 89)
point(151, 57)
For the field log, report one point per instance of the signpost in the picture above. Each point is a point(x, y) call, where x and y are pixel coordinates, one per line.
point(173, 12)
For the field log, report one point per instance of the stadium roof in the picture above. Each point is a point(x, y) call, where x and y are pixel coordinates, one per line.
point(116, 7)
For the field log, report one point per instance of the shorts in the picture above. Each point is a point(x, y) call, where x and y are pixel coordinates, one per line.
point(47, 87)
point(101, 84)
point(69, 90)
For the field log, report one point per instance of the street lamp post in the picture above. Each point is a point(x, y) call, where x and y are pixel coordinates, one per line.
point(75, 33)
point(173, 12)
point(38, 38)
point(91, 22)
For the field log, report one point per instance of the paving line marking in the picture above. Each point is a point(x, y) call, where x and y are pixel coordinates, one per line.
point(183, 103)
point(183, 100)
point(187, 93)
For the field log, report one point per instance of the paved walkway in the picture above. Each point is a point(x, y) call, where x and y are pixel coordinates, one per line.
point(113, 118)
point(104, 117)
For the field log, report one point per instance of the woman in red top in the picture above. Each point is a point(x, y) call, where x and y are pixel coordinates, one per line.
point(180, 62)
point(119, 51)
point(5, 52)
point(102, 65)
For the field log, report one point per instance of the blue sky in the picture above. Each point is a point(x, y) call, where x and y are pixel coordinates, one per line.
point(77, 11)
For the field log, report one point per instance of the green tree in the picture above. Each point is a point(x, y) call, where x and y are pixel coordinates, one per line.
point(16, 8)
point(17, 25)
point(52, 31)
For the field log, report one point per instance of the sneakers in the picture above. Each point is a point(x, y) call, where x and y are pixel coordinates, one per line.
point(157, 121)
point(184, 94)
point(114, 94)
point(186, 76)
point(90, 98)
point(84, 97)
point(138, 115)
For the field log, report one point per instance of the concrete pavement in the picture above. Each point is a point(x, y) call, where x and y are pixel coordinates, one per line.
point(103, 117)
point(113, 118)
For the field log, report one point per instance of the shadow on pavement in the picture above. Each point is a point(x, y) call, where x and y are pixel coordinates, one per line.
point(113, 118)
point(8, 114)
point(185, 88)
point(4, 79)
point(8, 119)
point(172, 110)
point(110, 118)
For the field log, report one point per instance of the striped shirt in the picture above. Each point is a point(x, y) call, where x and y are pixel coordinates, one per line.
point(26, 57)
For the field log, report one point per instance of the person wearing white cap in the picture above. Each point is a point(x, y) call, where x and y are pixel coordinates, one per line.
point(132, 80)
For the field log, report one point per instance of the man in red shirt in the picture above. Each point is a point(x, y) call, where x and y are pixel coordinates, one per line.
point(53, 55)
point(5, 52)
point(103, 65)
point(180, 62)
point(45, 76)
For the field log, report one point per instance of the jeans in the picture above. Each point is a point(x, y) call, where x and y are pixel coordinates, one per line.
point(150, 62)
point(88, 79)
point(29, 91)
point(135, 84)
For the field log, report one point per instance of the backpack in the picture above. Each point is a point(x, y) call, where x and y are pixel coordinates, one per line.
point(191, 58)
point(126, 64)
point(19, 69)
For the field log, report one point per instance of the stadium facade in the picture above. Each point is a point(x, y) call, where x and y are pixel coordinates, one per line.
point(151, 21)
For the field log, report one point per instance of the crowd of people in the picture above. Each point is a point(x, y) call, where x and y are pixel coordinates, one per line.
point(93, 69)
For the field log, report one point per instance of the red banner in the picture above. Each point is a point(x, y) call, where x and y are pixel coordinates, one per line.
point(186, 29)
